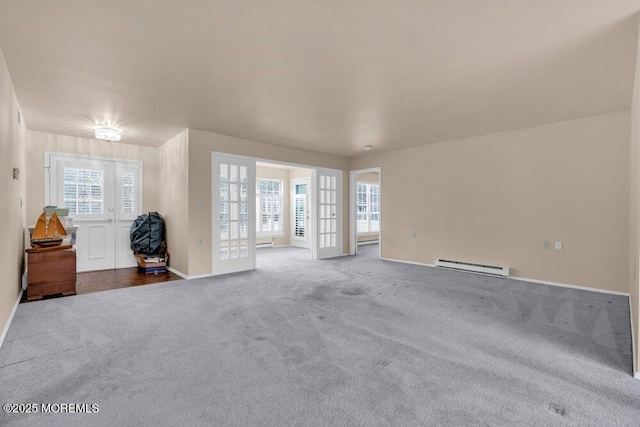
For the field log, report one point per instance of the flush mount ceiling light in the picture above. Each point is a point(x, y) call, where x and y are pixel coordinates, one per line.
point(367, 148)
point(107, 133)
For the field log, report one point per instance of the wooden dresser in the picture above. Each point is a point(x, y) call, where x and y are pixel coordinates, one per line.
point(51, 273)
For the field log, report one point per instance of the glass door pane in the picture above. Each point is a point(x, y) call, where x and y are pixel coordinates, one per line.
point(329, 233)
point(234, 241)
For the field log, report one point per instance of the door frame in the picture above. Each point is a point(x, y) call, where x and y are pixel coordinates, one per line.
point(353, 208)
point(118, 163)
point(312, 206)
point(308, 226)
point(314, 170)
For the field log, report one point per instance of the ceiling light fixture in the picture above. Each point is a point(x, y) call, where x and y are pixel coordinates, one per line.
point(367, 148)
point(107, 133)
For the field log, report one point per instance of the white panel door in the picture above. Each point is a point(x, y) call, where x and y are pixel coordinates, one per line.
point(86, 188)
point(328, 230)
point(300, 212)
point(234, 210)
point(104, 197)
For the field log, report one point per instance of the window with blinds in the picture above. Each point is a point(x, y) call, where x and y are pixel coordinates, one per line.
point(128, 193)
point(269, 220)
point(84, 191)
point(368, 208)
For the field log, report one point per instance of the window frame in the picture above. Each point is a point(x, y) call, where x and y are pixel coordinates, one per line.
point(135, 168)
point(368, 205)
point(275, 200)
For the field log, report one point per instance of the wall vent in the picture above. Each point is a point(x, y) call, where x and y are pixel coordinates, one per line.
point(492, 270)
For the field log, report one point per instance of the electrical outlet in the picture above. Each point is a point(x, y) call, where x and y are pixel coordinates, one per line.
point(198, 203)
point(546, 244)
point(558, 246)
point(414, 234)
point(200, 242)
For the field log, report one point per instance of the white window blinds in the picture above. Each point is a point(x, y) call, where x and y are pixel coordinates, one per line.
point(269, 220)
point(368, 208)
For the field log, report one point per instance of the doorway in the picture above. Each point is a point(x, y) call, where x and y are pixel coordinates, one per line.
point(104, 197)
point(365, 187)
point(300, 212)
point(295, 206)
point(284, 207)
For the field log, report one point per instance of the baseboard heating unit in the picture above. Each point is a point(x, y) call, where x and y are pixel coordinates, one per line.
point(492, 270)
point(264, 245)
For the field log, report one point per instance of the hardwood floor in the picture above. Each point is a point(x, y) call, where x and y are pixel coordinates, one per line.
point(97, 281)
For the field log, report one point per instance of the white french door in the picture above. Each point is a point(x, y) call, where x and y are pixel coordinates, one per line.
point(103, 197)
point(234, 214)
point(300, 212)
point(328, 230)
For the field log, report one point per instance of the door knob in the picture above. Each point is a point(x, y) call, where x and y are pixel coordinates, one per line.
point(110, 219)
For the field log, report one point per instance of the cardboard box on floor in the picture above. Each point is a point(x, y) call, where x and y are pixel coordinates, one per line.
point(148, 266)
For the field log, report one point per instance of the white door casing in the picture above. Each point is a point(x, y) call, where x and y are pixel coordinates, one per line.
point(300, 212)
point(328, 226)
point(233, 213)
point(104, 198)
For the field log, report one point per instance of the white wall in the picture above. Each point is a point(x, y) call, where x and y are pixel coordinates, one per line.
point(12, 194)
point(494, 199)
point(173, 185)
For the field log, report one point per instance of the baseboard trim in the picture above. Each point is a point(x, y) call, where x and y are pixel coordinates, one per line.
point(543, 282)
point(178, 273)
point(202, 276)
point(10, 319)
point(184, 276)
point(408, 262)
point(567, 285)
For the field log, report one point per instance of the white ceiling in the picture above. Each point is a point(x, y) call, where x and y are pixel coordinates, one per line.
point(327, 76)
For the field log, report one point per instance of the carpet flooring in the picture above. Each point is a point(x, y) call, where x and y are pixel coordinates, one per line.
point(349, 341)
